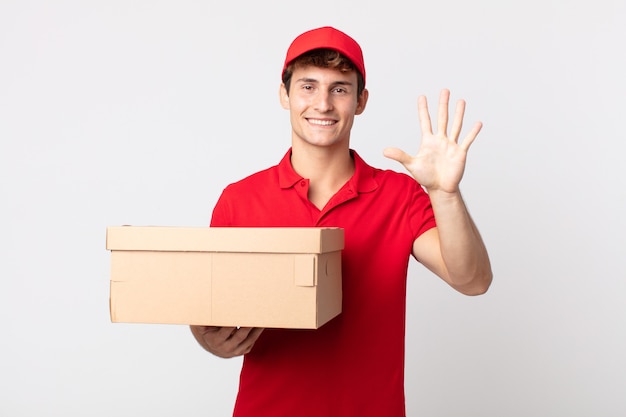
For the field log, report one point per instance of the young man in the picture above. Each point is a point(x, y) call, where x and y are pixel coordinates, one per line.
point(354, 364)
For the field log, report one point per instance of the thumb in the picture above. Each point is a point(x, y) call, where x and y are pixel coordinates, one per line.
point(397, 155)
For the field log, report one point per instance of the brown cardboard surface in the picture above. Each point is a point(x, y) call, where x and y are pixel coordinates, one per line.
point(258, 277)
point(225, 239)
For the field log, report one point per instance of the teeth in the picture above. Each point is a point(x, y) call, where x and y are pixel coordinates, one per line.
point(321, 122)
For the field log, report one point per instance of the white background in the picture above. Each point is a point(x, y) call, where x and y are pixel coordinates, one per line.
point(140, 112)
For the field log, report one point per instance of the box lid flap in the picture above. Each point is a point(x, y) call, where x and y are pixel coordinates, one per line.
point(226, 239)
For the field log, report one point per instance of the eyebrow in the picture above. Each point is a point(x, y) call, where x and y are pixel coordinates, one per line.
point(313, 80)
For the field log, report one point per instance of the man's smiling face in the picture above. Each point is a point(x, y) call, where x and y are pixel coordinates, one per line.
point(322, 104)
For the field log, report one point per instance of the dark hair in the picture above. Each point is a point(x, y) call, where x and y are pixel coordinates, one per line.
point(323, 58)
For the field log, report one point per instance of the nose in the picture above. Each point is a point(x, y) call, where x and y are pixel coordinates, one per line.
point(323, 101)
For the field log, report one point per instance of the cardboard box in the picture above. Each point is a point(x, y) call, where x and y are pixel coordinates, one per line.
point(249, 277)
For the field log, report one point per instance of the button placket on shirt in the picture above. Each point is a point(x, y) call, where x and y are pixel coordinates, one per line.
point(343, 196)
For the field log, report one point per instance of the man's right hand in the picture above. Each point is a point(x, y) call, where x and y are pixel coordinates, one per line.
point(226, 342)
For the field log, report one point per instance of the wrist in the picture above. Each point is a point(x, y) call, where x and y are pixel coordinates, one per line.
point(443, 195)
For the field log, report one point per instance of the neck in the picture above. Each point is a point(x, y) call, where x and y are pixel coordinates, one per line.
point(326, 164)
point(327, 168)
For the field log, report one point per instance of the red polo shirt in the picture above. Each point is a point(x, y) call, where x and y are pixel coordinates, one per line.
point(354, 364)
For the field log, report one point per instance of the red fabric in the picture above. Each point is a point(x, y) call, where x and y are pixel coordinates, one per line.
point(326, 37)
point(354, 364)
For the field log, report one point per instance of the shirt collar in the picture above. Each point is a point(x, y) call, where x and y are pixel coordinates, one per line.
point(363, 179)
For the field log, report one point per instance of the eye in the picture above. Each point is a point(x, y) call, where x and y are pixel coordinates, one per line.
point(339, 90)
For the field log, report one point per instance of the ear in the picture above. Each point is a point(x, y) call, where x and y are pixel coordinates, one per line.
point(362, 102)
point(283, 96)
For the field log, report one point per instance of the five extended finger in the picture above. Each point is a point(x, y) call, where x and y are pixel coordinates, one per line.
point(469, 138)
point(442, 113)
point(397, 155)
point(424, 116)
point(457, 122)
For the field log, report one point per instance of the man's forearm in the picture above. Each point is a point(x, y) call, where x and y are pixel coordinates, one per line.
point(462, 249)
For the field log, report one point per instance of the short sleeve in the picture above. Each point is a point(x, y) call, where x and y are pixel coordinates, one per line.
point(420, 211)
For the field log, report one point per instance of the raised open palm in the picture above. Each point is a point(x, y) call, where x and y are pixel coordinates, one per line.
point(440, 161)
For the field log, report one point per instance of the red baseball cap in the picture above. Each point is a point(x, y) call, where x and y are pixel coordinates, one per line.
point(326, 38)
